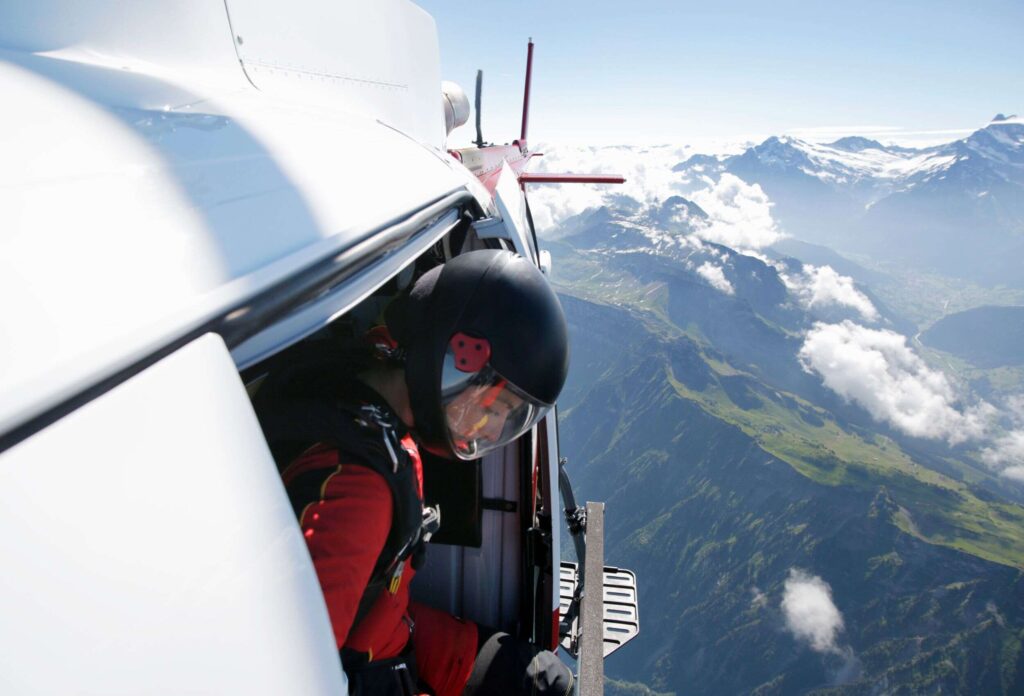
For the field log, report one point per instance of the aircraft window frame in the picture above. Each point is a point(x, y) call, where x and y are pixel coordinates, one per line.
point(323, 278)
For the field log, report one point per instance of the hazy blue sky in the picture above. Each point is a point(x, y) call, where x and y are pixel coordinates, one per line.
point(659, 71)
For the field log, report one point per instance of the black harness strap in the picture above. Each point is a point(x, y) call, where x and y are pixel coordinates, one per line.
point(365, 433)
point(396, 676)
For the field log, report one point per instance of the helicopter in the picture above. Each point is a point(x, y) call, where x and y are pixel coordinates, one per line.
point(190, 190)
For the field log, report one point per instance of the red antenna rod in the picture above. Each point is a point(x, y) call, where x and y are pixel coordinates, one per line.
point(526, 94)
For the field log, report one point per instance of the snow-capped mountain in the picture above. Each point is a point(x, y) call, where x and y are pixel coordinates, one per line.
point(852, 165)
point(990, 156)
point(964, 217)
point(676, 232)
point(753, 412)
point(853, 161)
point(956, 208)
point(628, 225)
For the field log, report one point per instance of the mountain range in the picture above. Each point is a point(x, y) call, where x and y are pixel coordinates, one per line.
point(956, 209)
point(715, 524)
point(800, 520)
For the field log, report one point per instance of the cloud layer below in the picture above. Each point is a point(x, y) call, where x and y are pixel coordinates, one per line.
point(716, 277)
point(876, 369)
point(1007, 453)
point(1007, 450)
point(648, 173)
point(739, 213)
point(820, 286)
point(810, 613)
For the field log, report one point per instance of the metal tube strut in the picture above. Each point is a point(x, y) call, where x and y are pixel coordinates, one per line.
point(592, 613)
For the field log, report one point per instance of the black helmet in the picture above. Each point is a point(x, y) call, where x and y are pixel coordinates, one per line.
point(487, 351)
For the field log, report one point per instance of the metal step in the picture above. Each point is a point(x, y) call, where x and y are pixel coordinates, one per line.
point(621, 622)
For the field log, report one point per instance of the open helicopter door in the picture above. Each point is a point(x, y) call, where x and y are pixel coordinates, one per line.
point(150, 548)
point(588, 628)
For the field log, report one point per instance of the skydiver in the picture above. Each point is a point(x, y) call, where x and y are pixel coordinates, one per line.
point(470, 359)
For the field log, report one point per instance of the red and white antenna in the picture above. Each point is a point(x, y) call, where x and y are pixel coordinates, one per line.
point(526, 91)
point(486, 161)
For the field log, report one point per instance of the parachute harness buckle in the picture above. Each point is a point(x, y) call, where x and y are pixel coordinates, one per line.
point(387, 426)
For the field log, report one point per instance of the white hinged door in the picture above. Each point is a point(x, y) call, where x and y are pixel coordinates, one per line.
point(148, 547)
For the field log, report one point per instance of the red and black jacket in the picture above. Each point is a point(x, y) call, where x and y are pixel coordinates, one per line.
point(356, 426)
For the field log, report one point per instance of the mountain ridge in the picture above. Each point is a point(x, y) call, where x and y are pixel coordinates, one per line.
point(734, 471)
point(709, 518)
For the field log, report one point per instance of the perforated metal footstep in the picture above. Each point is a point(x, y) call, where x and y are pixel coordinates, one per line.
point(621, 616)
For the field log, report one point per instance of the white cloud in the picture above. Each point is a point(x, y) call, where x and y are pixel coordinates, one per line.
point(877, 370)
point(1015, 407)
point(758, 600)
point(819, 286)
point(810, 613)
point(739, 214)
point(716, 277)
point(551, 206)
point(1007, 453)
point(1007, 450)
point(648, 173)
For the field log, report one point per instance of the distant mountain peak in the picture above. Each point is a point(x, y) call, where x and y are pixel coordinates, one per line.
point(780, 152)
point(697, 161)
point(674, 215)
point(780, 141)
point(676, 204)
point(1004, 122)
point(856, 143)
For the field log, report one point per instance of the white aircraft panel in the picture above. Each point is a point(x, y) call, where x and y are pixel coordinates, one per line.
point(376, 58)
point(186, 40)
point(133, 210)
point(148, 547)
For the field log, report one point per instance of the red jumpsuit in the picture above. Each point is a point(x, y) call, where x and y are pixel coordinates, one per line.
point(346, 530)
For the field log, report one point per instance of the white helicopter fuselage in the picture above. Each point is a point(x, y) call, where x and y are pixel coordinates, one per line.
point(187, 188)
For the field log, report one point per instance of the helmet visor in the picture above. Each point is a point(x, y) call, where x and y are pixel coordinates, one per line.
point(483, 410)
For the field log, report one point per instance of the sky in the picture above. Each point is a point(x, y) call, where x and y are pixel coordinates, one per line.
point(657, 71)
